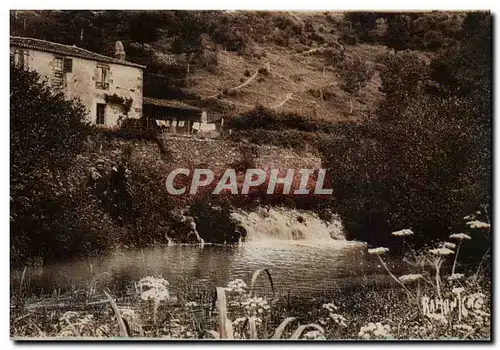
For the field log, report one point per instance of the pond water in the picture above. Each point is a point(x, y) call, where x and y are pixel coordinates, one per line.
point(297, 267)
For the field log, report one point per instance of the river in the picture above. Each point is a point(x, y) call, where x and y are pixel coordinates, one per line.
point(304, 255)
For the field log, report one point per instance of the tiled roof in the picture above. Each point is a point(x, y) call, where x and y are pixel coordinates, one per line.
point(66, 50)
point(168, 103)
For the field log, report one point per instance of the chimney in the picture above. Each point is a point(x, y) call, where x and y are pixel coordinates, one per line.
point(119, 51)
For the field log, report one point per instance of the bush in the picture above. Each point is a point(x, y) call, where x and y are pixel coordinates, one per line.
point(263, 118)
point(349, 38)
point(354, 74)
point(47, 132)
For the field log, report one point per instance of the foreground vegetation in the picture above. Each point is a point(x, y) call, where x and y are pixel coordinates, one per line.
point(424, 304)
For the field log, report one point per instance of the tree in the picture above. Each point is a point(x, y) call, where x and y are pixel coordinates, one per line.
point(46, 133)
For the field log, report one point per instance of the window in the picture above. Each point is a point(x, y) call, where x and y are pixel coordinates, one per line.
point(68, 65)
point(100, 114)
point(102, 79)
point(58, 79)
point(19, 58)
point(181, 123)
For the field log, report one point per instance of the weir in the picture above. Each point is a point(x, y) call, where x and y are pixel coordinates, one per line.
point(286, 224)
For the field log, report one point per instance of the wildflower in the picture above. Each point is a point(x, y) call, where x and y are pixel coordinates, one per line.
point(469, 217)
point(441, 251)
point(330, 307)
point(157, 288)
point(378, 251)
point(255, 306)
point(458, 290)
point(459, 236)
point(338, 319)
point(449, 245)
point(375, 331)
point(410, 278)
point(478, 224)
point(405, 232)
point(456, 276)
point(314, 335)
point(237, 286)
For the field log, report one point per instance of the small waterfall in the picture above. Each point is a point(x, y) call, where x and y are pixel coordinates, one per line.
point(192, 224)
point(288, 224)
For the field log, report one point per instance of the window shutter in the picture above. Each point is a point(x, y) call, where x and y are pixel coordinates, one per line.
point(25, 59)
point(106, 75)
point(68, 65)
point(99, 75)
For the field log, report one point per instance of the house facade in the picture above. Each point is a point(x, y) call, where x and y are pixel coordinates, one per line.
point(110, 88)
point(176, 117)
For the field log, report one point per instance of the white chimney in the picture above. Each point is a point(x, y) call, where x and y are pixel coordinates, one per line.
point(119, 51)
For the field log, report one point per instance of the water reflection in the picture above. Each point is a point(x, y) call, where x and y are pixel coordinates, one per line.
point(298, 266)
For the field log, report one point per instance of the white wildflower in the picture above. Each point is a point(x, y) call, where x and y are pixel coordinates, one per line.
point(191, 304)
point(330, 307)
point(441, 251)
point(255, 306)
point(456, 276)
point(458, 290)
point(338, 319)
point(459, 236)
point(237, 286)
point(449, 245)
point(378, 251)
point(156, 288)
point(375, 331)
point(410, 278)
point(478, 224)
point(405, 232)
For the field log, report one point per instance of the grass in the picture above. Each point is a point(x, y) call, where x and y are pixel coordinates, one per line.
point(287, 318)
point(230, 313)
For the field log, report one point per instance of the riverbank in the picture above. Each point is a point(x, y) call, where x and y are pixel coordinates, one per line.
point(154, 308)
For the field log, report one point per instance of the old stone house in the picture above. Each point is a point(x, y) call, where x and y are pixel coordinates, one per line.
point(110, 88)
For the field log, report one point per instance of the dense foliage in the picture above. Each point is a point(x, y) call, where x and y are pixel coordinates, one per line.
point(47, 132)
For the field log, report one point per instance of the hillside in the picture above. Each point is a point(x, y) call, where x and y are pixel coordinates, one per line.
point(198, 56)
